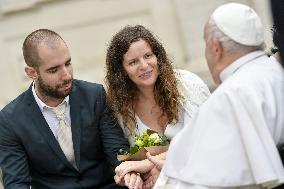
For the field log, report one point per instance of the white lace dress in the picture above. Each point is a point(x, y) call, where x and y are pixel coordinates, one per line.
point(195, 92)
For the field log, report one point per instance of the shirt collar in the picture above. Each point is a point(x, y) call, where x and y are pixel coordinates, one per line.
point(232, 68)
point(41, 104)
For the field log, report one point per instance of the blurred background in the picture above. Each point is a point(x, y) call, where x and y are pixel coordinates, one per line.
point(88, 25)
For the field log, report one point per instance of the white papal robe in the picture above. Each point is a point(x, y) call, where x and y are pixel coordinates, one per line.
point(231, 141)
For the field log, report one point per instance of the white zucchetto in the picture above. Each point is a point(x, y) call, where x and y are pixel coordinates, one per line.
point(240, 23)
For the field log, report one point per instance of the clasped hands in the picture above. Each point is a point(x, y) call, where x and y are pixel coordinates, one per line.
point(140, 174)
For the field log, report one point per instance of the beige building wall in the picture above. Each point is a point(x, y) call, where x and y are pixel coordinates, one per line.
point(193, 14)
point(88, 25)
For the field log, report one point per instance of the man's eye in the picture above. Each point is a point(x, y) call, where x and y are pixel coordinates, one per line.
point(52, 71)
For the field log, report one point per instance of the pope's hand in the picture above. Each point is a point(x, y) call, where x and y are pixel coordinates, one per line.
point(131, 180)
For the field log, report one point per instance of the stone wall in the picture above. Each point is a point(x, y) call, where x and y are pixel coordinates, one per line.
point(88, 25)
point(193, 14)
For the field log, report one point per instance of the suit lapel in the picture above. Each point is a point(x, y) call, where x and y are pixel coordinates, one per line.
point(75, 114)
point(43, 128)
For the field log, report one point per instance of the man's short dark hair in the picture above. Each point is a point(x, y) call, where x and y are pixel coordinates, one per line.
point(33, 40)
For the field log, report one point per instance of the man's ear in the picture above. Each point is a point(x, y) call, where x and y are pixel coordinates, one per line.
point(218, 49)
point(31, 72)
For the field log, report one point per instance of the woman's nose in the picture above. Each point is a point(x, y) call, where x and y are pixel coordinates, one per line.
point(144, 63)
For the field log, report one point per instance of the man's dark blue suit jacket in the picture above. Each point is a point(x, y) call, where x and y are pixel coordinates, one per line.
point(31, 155)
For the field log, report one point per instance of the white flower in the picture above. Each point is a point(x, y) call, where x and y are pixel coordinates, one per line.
point(139, 143)
point(155, 137)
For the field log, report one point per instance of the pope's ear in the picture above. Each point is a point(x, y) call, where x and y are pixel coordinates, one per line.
point(218, 48)
point(31, 72)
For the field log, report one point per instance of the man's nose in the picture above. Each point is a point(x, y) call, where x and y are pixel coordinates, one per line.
point(67, 73)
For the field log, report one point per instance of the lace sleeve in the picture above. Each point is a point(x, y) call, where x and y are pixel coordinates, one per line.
point(193, 89)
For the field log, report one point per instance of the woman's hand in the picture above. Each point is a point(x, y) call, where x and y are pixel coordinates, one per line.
point(151, 167)
point(142, 166)
point(131, 180)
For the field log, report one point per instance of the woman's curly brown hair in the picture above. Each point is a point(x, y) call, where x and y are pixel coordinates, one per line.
point(122, 92)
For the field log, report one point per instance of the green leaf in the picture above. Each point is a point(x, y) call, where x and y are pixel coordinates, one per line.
point(133, 149)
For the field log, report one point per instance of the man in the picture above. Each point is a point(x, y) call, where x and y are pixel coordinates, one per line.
point(231, 141)
point(59, 133)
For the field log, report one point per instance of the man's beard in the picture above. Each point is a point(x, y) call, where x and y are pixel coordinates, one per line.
point(49, 91)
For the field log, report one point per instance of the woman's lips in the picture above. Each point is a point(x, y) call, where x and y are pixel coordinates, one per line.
point(146, 75)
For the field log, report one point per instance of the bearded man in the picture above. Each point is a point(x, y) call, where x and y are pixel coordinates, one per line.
point(60, 132)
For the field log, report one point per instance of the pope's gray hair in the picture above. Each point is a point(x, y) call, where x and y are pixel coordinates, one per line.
point(228, 44)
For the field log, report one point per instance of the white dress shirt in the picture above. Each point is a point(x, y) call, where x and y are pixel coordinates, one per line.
point(49, 114)
point(231, 141)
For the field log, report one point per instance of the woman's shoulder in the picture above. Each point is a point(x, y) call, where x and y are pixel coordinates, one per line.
point(189, 78)
point(193, 89)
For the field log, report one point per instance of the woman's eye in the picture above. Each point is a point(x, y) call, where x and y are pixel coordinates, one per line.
point(149, 55)
point(132, 63)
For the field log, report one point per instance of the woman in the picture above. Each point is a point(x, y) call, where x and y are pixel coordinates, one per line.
point(145, 92)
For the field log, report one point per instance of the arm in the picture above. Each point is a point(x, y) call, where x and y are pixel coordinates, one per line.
point(151, 178)
point(143, 166)
point(151, 168)
point(111, 134)
point(157, 160)
point(13, 159)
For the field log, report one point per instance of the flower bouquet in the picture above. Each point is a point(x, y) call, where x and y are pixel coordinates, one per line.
point(150, 141)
